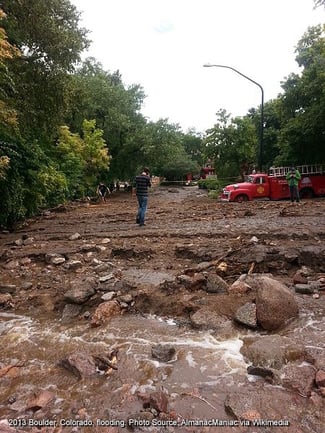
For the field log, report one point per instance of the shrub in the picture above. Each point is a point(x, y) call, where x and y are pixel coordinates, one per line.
point(210, 183)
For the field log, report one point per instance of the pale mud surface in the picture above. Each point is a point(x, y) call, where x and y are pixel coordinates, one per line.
point(183, 229)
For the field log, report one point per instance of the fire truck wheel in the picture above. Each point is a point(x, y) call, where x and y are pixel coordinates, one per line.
point(241, 197)
point(307, 193)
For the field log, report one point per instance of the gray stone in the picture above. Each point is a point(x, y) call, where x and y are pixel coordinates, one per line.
point(246, 315)
point(163, 352)
point(82, 291)
point(305, 289)
point(216, 284)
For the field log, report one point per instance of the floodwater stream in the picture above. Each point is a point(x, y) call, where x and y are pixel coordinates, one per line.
point(35, 345)
point(205, 365)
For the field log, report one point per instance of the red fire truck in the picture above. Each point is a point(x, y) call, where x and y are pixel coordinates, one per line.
point(275, 186)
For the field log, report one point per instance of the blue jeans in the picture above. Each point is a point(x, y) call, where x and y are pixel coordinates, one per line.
point(143, 203)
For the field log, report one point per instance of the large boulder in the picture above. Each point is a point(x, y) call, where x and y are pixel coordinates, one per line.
point(272, 351)
point(275, 304)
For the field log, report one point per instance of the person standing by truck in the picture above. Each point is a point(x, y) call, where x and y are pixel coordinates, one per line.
point(293, 177)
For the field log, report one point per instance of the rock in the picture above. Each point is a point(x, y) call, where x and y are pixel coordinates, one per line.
point(84, 290)
point(28, 241)
point(206, 319)
point(246, 315)
point(75, 236)
point(320, 378)
point(215, 284)
point(6, 300)
point(197, 282)
point(163, 353)
point(40, 400)
point(272, 351)
point(275, 304)
point(127, 298)
point(73, 264)
point(105, 278)
point(86, 248)
point(105, 241)
point(12, 264)
point(26, 285)
point(261, 371)
point(305, 289)
point(104, 313)
point(25, 261)
point(300, 278)
point(54, 259)
point(159, 401)
point(299, 378)
point(81, 364)
point(70, 311)
point(240, 288)
point(242, 406)
point(108, 296)
point(103, 267)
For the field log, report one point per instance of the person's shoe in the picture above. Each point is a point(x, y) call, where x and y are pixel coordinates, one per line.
point(142, 224)
point(137, 220)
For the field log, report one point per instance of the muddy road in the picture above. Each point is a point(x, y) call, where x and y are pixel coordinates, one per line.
point(103, 321)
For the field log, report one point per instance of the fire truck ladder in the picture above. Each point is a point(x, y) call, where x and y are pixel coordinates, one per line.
point(303, 169)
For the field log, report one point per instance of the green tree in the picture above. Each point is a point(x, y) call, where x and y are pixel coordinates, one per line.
point(101, 95)
point(82, 159)
point(194, 146)
point(232, 144)
point(302, 105)
point(47, 34)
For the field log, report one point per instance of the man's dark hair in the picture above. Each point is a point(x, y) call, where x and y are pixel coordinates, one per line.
point(146, 170)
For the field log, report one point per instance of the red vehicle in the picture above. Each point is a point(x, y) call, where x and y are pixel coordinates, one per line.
point(207, 171)
point(275, 186)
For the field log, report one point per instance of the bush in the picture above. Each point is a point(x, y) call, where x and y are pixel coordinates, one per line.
point(210, 183)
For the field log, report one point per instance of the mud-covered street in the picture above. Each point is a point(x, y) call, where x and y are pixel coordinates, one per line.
point(207, 319)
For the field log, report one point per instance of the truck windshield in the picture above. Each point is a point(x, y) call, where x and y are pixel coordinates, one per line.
point(250, 179)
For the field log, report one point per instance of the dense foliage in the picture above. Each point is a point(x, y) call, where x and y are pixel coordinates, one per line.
point(65, 125)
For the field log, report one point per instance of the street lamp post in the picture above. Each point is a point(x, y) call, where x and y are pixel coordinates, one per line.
point(260, 157)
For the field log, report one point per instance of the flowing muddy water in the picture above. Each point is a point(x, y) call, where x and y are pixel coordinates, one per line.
point(36, 345)
point(205, 365)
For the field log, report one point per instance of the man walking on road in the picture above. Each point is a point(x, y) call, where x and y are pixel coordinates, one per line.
point(142, 183)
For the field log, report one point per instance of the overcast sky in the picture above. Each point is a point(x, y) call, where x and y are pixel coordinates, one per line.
point(163, 44)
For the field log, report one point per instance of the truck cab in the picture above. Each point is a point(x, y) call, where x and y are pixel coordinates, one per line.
point(255, 186)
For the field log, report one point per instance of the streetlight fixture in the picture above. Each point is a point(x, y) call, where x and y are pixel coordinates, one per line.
point(260, 157)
